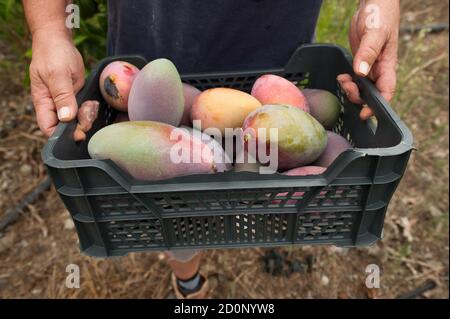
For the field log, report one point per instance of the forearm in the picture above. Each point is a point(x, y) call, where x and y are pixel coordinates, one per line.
point(47, 15)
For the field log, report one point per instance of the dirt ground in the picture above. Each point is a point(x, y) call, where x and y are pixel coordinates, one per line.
point(35, 251)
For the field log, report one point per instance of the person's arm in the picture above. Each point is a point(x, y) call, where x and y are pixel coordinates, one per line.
point(373, 38)
point(46, 15)
point(56, 69)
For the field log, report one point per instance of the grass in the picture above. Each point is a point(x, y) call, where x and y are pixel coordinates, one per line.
point(334, 22)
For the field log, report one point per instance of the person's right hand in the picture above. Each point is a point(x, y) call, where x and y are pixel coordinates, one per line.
point(56, 74)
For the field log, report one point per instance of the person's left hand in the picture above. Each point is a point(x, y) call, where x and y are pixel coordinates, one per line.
point(373, 39)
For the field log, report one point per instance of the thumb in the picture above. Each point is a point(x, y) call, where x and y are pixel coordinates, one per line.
point(370, 47)
point(62, 91)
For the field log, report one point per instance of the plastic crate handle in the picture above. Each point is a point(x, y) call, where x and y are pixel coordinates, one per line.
point(385, 115)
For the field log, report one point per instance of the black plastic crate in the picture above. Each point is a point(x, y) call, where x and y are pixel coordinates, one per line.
point(115, 214)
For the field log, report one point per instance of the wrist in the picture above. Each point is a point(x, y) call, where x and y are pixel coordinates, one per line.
point(52, 30)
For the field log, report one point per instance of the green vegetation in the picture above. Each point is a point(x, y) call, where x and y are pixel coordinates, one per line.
point(90, 38)
point(13, 29)
point(13, 36)
point(334, 22)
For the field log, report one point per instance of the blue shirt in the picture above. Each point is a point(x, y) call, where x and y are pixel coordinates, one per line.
point(212, 35)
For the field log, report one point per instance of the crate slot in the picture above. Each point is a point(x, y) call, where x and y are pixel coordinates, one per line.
point(133, 234)
point(199, 230)
point(319, 225)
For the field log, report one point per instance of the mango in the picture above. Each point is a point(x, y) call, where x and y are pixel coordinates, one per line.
point(115, 83)
point(157, 94)
point(324, 107)
point(221, 158)
point(300, 141)
point(223, 108)
point(336, 145)
point(245, 162)
point(273, 89)
point(151, 151)
point(305, 170)
point(190, 94)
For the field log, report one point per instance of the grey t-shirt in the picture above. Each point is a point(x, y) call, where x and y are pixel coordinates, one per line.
point(212, 35)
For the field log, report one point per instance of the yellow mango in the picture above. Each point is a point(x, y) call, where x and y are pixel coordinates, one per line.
point(223, 108)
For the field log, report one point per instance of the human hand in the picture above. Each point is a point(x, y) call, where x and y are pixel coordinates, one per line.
point(373, 39)
point(56, 74)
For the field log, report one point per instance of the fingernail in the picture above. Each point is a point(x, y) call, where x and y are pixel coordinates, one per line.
point(64, 113)
point(364, 68)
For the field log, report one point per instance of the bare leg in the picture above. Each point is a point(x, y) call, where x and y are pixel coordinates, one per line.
point(184, 268)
